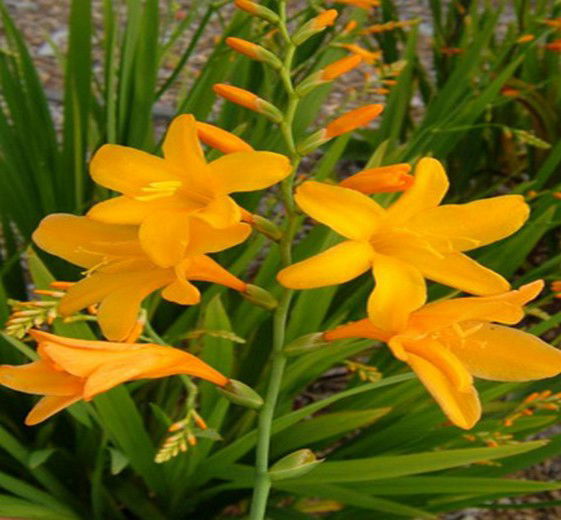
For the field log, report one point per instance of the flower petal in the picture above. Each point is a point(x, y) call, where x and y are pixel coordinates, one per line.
point(128, 170)
point(249, 171)
point(503, 308)
point(181, 145)
point(181, 291)
point(429, 187)
point(221, 212)
point(462, 408)
point(348, 212)
point(164, 236)
point(400, 289)
point(39, 377)
point(123, 210)
point(203, 238)
point(460, 271)
point(205, 269)
point(467, 226)
point(502, 353)
point(83, 241)
point(337, 264)
point(48, 406)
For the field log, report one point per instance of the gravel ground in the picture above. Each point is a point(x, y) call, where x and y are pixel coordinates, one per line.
point(43, 23)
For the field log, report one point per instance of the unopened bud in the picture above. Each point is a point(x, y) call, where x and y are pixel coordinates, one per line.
point(257, 10)
point(294, 465)
point(254, 51)
point(305, 344)
point(265, 226)
point(315, 25)
point(239, 393)
point(249, 100)
point(260, 296)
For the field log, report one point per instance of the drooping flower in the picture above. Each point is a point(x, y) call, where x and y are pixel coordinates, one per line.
point(163, 195)
point(69, 370)
point(413, 239)
point(448, 342)
point(120, 274)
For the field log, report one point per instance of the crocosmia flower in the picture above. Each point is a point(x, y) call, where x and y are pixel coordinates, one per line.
point(413, 239)
point(120, 274)
point(69, 370)
point(448, 342)
point(163, 195)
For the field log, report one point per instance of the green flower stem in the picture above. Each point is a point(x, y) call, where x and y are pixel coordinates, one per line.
point(262, 483)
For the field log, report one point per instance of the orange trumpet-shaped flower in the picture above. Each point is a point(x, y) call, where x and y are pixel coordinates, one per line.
point(221, 139)
point(340, 67)
point(365, 54)
point(448, 342)
point(121, 275)
point(353, 120)
point(413, 239)
point(162, 195)
point(69, 370)
point(386, 179)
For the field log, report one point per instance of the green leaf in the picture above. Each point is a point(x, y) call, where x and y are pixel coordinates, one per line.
point(38, 457)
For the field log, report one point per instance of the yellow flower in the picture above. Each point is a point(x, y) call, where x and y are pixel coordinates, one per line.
point(69, 370)
point(121, 275)
point(413, 239)
point(163, 195)
point(448, 342)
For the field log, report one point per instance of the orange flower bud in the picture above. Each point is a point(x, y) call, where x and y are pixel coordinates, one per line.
point(557, 195)
point(381, 91)
point(389, 82)
point(61, 285)
point(247, 99)
point(256, 10)
point(525, 38)
point(553, 22)
point(451, 51)
point(244, 47)
point(510, 92)
point(556, 286)
point(340, 67)
point(254, 51)
point(323, 19)
point(367, 56)
point(386, 179)
point(363, 4)
point(380, 27)
point(554, 46)
point(221, 139)
point(352, 120)
point(350, 27)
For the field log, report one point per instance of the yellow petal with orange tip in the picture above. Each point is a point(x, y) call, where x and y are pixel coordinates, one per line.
point(205, 269)
point(462, 408)
point(128, 170)
point(203, 238)
point(164, 236)
point(221, 212)
point(386, 179)
point(83, 241)
point(250, 171)
point(39, 377)
point(502, 353)
point(429, 187)
point(346, 211)
point(400, 289)
point(503, 308)
point(337, 264)
point(475, 224)
point(460, 271)
point(357, 329)
point(48, 406)
point(221, 139)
